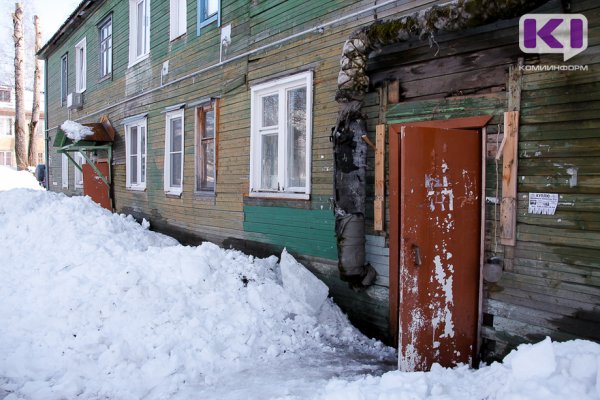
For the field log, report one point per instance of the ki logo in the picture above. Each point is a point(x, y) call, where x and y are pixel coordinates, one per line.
point(565, 34)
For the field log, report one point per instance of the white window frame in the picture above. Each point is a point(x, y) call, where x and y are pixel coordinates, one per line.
point(169, 188)
point(65, 171)
point(9, 91)
point(134, 57)
point(141, 178)
point(80, 66)
point(78, 175)
point(177, 18)
point(4, 154)
point(11, 126)
point(280, 87)
point(105, 49)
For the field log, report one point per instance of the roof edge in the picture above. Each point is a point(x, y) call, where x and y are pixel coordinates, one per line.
point(72, 22)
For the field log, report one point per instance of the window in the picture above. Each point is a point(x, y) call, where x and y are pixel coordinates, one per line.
point(281, 123)
point(64, 74)
point(41, 127)
point(6, 158)
point(65, 171)
point(6, 126)
point(105, 43)
point(178, 13)
point(174, 153)
point(80, 66)
point(5, 95)
point(208, 11)
point(135, 153)
point(78, 175)
point(139, 30)
point(40, 158)
point(206, 129)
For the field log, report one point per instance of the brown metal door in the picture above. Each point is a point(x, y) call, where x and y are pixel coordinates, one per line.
point(94, 187)
point(439, 232)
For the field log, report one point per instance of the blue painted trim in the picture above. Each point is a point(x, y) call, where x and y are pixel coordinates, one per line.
point(204, 22)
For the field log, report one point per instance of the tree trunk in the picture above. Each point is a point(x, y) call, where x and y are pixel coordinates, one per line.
point(37, 83)
point(20, 136)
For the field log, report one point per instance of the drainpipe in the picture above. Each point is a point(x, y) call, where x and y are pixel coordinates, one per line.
point(46, 140)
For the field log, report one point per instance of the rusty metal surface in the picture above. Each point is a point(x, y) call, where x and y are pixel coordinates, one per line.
point(439, 215)
point(94, 187)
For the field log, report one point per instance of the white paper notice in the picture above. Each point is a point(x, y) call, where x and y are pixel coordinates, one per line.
point(543, 203)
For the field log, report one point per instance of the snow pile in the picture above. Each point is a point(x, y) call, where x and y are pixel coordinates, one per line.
point(75, 131)
point(10, 178)
point(543, 371)
point(302, 285)
point(93, 305)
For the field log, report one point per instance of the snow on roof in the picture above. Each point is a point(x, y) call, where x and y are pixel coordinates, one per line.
point(75, 131)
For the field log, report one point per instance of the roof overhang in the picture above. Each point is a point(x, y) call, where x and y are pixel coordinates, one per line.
point(102, 139)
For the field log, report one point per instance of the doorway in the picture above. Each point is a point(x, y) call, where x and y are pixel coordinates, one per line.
point(436, 196)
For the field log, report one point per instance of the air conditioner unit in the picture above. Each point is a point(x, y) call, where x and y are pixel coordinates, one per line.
point(75, 101)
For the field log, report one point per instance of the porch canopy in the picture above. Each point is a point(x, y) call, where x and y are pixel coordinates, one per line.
point(102, 139)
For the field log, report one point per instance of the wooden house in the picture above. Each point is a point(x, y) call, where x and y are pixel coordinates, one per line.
point(483, 160)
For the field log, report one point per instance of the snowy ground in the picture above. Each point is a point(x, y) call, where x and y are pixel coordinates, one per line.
point(10, 178)
point(95, 306)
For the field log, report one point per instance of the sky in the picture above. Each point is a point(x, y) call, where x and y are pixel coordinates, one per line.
point(52, 14)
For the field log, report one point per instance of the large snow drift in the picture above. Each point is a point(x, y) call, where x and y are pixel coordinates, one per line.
point(94, 306)
point(10, 178)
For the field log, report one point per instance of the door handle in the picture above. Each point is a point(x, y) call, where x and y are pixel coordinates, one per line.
point(416, 254)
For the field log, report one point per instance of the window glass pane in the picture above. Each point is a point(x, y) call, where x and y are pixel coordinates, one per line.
point(143, 154)
point(133, 141)
point(208, 155)
point(296, 133)
point(176, 169)
point(133, 155)
point(270, 110)
point(209, 124)
point(133, 175)
point(140, 29)
point(109, 56)
point(212, 6)
point(176, 136)
point(63, 80)
point(269, 162)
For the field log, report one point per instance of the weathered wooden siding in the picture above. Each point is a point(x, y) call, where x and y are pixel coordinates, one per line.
point(551, 280)
point(230, 217)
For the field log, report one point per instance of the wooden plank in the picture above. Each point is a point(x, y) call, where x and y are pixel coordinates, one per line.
point(508, 207)
point(393, 92)
point(515, 83)
point(379, 178)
